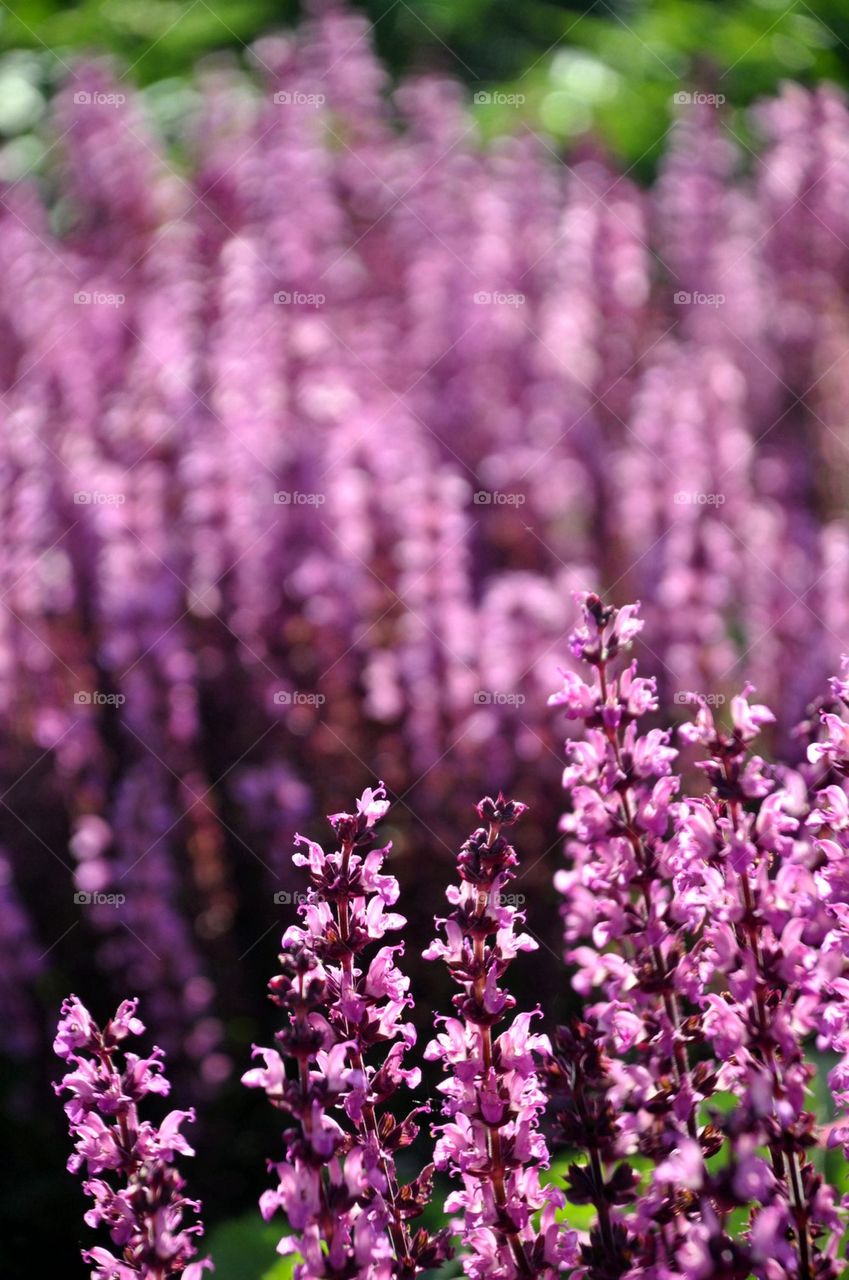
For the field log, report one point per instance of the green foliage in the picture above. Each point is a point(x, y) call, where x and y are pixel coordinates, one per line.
point(567, 68)
point(282, 1270)
point(616, 72)
point(156, 38)
point(245, 1249)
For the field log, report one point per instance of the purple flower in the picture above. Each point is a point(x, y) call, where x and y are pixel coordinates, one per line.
point(491, 1142)
point(142, 1205)
point(338, 1185)
point(698, 923)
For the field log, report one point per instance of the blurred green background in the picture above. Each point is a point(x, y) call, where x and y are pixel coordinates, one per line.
point(610, 67)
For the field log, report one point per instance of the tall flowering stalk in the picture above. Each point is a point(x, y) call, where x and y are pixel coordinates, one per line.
point(620, 786)
point(829, 890)
point(758, 980)
point(338, 1185)
point(580, 1086)
point(138, 1194)
point(706, 928)
point(493, 1098)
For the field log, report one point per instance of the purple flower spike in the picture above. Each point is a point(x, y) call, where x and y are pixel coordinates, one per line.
point(338, 1184)
point(714, 929)
point(621, 788)
point(762, 983)
point(829, 823)
point(137, 1193)
point(492, 1143)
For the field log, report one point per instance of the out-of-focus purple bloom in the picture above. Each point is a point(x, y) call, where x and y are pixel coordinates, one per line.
point(20, 965)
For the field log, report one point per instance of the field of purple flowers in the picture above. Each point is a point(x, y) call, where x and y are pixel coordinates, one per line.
point(317, 414)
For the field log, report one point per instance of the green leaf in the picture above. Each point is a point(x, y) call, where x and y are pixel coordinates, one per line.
point(282, 1270)
point(246, 1249)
